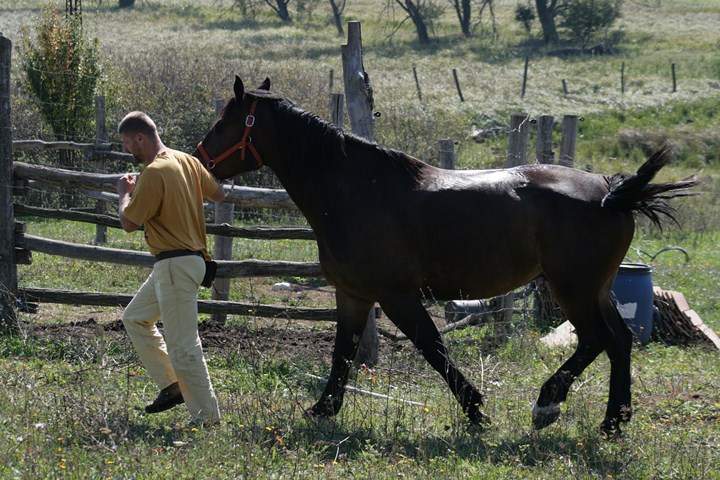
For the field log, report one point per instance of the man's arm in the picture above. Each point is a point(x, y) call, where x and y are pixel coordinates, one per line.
point(125, 186)
point(219, 194)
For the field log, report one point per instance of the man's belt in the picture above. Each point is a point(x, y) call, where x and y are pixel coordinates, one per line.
point(175, 253)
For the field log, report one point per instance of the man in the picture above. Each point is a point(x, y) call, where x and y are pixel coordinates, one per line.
point(167, 199)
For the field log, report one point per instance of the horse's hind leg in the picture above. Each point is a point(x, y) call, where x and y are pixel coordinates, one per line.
point(554, 391)
point(593, 334)
point(619, 407)
point(599, 327)
point(413, 320)
point(352, 317)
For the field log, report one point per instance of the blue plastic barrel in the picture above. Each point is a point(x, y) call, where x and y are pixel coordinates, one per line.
point(633, 295)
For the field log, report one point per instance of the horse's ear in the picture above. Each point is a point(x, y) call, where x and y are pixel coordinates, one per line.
point(265, 85)
point(239, 89)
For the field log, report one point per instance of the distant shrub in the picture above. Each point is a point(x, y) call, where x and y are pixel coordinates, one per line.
point(63, 71)
point(525, 15)
point(584, 20)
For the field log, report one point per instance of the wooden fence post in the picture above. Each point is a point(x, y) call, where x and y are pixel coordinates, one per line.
point(358, 95)
point(101, 136)
point(545, 152)
point(417, 83)
point(358, 92)
point(674, 78)
point(446, 154)
point(457, 84)
point(517, 153)
point(569, 134)
point(337, 109)
point(8, 269)
point(224, 213)
point(517, 141)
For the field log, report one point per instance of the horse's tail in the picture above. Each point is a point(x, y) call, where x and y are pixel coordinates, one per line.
point(636, 193)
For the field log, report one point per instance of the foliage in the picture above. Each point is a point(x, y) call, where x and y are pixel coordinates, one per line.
point(584, 20)
point(63, 71)
point(525, 15)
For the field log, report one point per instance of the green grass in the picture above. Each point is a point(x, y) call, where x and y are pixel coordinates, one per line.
point(75, 415)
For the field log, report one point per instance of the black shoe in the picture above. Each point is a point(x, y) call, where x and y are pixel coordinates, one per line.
point(167, 399)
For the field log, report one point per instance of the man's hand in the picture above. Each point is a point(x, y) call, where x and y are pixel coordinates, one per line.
point(126, 184)
point(219, 194)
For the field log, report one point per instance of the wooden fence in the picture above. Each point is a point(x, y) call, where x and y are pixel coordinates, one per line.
point(17, 245)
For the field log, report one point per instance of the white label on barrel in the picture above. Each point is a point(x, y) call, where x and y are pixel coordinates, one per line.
point(627, 310)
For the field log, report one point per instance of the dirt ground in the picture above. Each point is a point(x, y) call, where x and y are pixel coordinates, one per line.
point(242, 336)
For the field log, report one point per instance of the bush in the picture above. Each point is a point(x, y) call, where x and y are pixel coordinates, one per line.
point(62, 72)
point(525, 15)
point(583, 20)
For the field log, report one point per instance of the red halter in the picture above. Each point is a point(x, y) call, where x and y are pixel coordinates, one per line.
point(246, 141)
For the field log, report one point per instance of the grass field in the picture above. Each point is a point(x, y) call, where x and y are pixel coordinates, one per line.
point(73, 389)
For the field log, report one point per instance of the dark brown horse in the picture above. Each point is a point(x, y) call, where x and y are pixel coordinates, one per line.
point(394, 230)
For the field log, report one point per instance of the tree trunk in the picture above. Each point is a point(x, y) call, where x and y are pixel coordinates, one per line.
point(417, 18)
point(546, 15)
point(337, 9)
point(463, 9)
point(280, 7)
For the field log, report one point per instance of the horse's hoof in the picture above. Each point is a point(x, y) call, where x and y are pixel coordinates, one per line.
point(544, 416)
point(611, 428)
point(611, 425)
point(323, 409)
point(312, 416)
point(479, 419)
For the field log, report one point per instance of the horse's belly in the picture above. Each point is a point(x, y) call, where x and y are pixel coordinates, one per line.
point(477, 280)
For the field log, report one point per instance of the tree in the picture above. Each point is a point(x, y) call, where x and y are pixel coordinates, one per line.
point(546, 10)
point(463, 10)
point(423, 14)
point(338, 7)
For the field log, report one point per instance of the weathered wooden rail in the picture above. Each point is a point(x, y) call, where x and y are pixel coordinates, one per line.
point(244, 196)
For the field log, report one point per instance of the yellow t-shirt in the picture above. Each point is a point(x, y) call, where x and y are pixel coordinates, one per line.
point(168, 201)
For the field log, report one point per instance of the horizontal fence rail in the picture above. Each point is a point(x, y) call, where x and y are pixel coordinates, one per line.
point(246, 197)
point(226, 268)
point(225, 230)
point(29, 295)
point(103, 187)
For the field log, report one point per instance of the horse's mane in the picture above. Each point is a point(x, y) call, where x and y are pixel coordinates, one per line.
point(322, 141)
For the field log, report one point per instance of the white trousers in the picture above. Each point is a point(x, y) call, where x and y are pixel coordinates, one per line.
point(170, 294)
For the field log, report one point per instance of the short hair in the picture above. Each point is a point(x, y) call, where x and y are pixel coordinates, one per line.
point(138, 122)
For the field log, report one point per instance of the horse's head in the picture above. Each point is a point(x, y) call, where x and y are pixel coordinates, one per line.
point(227, 149)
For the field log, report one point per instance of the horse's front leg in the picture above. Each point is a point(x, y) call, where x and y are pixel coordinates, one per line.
point(352, 315)
point(413, 320)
